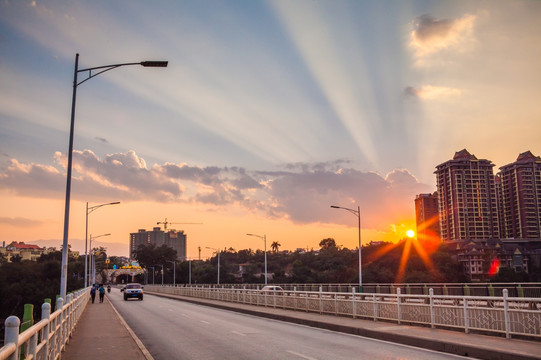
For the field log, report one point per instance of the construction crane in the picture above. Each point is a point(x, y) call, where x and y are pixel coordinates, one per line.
point(165, 223)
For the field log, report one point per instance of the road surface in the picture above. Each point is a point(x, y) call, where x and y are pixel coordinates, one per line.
point(172, 329)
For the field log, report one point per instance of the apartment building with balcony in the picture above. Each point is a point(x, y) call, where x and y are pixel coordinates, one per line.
point(467, 199)
point(520, 197)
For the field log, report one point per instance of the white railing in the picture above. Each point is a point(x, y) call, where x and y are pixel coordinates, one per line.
point(47, 338)
point(488, 314)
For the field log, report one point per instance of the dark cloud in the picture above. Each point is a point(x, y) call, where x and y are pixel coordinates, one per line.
point(428, 28)
point(411, 92)
point(103, 140)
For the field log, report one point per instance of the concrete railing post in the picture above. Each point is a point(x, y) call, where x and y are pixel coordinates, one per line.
point(69, 315)
point(466, 316)
point(506, 314)
point(432, 314)
point(11, 335)
point(354, 304)
point(46, 315)
point(375, 306)
point(59, 335)
point(398, 309)
point(320, 300)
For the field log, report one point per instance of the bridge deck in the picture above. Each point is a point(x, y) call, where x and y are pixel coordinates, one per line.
point(101, 332)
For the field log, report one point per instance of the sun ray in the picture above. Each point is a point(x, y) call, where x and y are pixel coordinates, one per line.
point(403, 261)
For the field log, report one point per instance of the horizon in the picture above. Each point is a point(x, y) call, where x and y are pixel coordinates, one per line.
point(268, 113)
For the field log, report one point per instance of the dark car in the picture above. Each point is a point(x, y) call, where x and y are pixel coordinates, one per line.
point(132, 291)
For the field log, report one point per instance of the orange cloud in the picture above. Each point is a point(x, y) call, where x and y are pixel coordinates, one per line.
point(429, 92)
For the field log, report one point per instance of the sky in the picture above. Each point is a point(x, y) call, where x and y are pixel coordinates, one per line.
point(268, 113)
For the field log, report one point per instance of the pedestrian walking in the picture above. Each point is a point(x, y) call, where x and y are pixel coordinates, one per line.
point(93, 293)
point(102, 292)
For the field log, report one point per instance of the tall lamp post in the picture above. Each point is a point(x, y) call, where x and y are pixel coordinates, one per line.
point(174, 272)
point(264, 237)
point(162, 273)
point(93, 261)
point(358, 214)
point(152, 274)
point(218, 252)
point(88, 211)
point(101, 69)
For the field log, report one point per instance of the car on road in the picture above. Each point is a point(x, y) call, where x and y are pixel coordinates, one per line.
point(273, 288)
point(133, 290)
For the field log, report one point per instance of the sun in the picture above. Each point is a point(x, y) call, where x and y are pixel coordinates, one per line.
point(410, 233)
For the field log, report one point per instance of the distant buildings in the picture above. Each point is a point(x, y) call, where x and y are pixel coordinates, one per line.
point(27, 251)
point(520, 194)
point(467, 198)
point(487, 219)
point(172, 238)
point(427, 216)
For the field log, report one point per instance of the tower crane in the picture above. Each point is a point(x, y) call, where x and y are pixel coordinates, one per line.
point(165, 223)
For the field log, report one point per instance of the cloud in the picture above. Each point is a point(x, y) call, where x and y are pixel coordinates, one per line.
point(32, 180)
point(429, 92)
point(306, 196)
point(302, 193)
point(20, 222)
point(431, 35)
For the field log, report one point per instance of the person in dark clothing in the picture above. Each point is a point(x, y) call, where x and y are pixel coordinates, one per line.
point(93, 293)
point(102, 292)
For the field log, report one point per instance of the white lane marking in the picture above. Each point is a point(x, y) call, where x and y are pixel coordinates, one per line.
point(204, 322)
point(300, 355)
point(238, 333)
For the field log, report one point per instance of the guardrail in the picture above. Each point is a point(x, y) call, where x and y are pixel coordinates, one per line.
point(47, 338)
point(511, 316)
point(458, 289)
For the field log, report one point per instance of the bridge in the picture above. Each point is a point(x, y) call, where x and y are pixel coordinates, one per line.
point(394, 317)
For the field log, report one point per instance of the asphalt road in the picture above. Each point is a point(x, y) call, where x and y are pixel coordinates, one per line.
point(172, 329)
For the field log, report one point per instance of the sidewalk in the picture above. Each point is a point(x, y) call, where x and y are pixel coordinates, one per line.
point(102, 334)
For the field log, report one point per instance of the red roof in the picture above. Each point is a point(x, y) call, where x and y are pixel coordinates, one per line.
point(22, 245)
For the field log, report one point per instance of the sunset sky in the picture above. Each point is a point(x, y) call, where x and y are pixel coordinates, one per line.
point(268, 113)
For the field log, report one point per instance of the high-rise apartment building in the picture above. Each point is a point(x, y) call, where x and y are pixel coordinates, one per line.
point(427, 216)
point(467, 198)
point(172, 238)
point(520, 194)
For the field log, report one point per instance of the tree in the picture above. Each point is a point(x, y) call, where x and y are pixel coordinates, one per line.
point(150, 255)
point(275, 246)
point(328, 244)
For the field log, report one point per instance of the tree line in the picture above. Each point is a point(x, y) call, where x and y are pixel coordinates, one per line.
point(381, 263)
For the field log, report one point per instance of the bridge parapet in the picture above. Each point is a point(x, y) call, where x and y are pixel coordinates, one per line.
point(509, 316)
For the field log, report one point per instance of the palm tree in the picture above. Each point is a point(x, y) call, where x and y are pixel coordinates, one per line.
point(275, 245)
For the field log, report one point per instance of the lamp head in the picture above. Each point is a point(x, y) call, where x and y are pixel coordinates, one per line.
point(154, 63)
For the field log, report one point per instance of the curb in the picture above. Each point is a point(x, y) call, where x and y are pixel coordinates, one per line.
point(142, 347)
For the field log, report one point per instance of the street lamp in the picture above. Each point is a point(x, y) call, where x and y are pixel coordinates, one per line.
point(358, 214)
point(174, 272)
point(88, 211)
point(93, 262)
point(218, 252)
point(264, 237)
point(153, 273)
point(102, 69)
